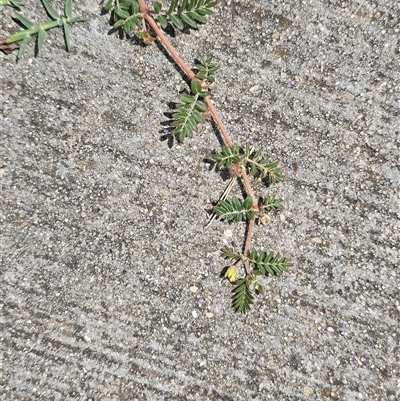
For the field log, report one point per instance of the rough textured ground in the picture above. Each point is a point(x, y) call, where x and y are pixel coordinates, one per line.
point(110, 284)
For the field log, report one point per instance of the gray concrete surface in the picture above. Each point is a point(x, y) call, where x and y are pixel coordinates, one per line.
point(110, 285)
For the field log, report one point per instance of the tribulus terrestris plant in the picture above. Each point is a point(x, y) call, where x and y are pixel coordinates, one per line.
point(136, 18)
point(243, 163)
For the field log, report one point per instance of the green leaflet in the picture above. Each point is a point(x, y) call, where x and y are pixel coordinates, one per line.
point(50, 10)
point(109, 5)
point(68, 8)
point(24, 21)
point(122, 14)
point(162, 20)
point(196, 16)
point(40, 39)
point(188, 20)
point(67, 36)
point(195, 86)
point(24, 43)
point(176, 21)
point(157, 7)
point(173, 5)
point(135, 8)
point(201, 106)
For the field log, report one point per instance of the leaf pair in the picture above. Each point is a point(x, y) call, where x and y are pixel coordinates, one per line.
point(261, 263)
point(256, 165)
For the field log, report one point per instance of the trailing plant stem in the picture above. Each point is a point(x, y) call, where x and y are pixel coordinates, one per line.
point(144, 9)
point(247, 244)
point(219, 123)
point(190, 74)
point(249, 189)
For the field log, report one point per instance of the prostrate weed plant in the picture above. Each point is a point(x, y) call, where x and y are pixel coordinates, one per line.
point(39, 30)
point(138, 19)
point(243, 163)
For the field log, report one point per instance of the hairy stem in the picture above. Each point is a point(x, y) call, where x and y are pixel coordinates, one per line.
point(249, 237)
point(249, 189)
point(162, 38)
point(190, 74)
point(247, 244)
point(219, 123)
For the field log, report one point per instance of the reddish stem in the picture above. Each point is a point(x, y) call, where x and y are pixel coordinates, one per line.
point(219, 123)
point(144, 9)
point(190, 74)
point(249, 189)
point(246, 251)
point(249, 237)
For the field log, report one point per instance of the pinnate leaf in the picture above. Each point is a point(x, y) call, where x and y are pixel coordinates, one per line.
point(268, 263)
point(242, 297)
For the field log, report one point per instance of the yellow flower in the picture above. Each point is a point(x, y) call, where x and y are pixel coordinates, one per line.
point(231, 273)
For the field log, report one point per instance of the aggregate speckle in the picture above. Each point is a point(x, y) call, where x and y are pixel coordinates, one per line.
point(111, 286)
